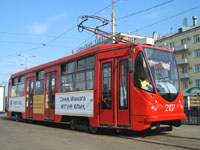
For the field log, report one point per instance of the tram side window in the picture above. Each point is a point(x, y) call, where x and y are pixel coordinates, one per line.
point(14, 87)
point(80, 81)
point(106, 93)
point(67, 77)
point(20, 86)
point(90, 79)
point(142, 77)
point(39, 88)
point(17, 87)
point(85, 74)
point(123, 78)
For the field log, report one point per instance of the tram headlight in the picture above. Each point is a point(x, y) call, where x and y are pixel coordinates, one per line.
point(179, 101)
point(153, 107)
point(156, 101)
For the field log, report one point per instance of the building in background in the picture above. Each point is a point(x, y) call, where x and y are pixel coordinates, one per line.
point(137, 39)
point(186, 45)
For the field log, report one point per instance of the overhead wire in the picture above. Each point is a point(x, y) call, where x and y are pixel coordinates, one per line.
point(167, 18)
point(36, 35)
point(42, 44)
point(19, 42)
point(144, 10)
point(60, 35)
point(31, 49)
point(106, 7)
point(57, 37)
point(147, 9)
point(76, 26)
point(93, 34)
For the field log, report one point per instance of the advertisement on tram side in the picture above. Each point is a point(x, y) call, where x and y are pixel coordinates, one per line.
point(74, 103)
point(16, 104)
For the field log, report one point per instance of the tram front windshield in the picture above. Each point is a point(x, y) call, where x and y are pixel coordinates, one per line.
point(164, 71)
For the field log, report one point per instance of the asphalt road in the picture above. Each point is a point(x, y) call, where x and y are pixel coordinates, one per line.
point(40, 136)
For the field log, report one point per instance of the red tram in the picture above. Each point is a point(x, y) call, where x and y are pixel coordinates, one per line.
point(129, 86)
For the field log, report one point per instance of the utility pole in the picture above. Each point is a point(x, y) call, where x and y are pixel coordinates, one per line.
point(113, 20)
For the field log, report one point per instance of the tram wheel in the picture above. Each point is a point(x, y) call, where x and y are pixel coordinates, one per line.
point(93, 129)
point(73, 124)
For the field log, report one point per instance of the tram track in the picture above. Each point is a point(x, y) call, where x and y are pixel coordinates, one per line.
point(184, 137)
point(165, 143)
point(167, 140)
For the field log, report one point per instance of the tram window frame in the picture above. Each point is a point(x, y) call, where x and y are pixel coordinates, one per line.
point(67, 80)
point(80, 78)
point(142, 74)
point(106, 89)
point(86, 63)
point(17, 89)
point(39, 84)
point(80, 81)
point(53, 90)
point(89, 79)
point(84, 66)
point(123, 84)
point(20, 86)
point(14, 87)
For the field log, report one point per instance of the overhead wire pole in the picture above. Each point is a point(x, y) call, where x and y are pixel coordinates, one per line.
point(113, 2)
point(113, 20)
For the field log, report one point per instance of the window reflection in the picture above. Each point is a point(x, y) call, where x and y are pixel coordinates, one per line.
point(123, 78)
point(106, 86)
point(142, 77)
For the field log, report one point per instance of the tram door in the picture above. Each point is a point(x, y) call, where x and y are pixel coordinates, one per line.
point(50, 83)
point(106, 92)
point(114, 93)
point(29, 96)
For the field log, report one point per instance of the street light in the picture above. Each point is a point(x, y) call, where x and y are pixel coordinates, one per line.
point(26, 59)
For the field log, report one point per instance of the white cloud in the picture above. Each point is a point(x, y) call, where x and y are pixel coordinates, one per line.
point(38, 28)
point(57, 17)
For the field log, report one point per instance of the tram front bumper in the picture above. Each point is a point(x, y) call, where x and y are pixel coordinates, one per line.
point(166, 117)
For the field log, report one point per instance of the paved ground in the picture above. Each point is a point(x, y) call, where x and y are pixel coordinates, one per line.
point(23, 136)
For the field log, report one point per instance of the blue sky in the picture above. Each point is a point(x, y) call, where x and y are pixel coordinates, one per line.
point(26, 25)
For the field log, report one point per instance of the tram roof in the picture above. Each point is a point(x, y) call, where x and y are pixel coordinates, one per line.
point(84, 53)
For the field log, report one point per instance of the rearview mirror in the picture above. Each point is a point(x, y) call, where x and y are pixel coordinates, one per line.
point(130, 65)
